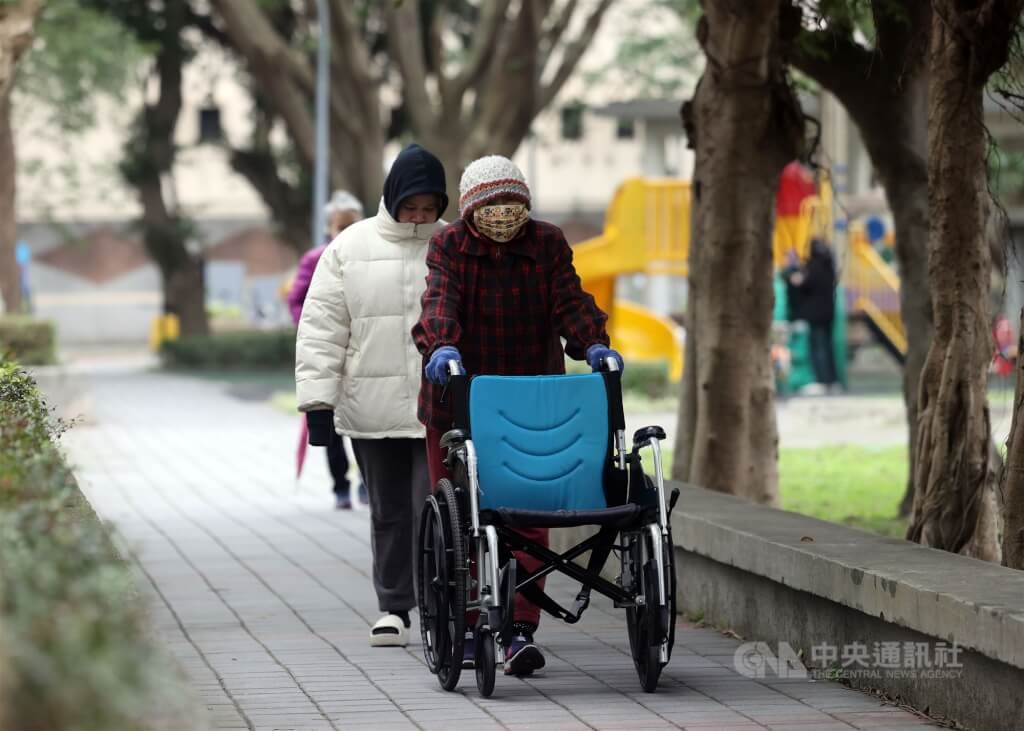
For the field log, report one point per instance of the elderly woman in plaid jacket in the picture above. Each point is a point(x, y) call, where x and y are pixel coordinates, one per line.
point(501, 295)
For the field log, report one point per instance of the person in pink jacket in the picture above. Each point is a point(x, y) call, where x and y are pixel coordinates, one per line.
point(341, 211)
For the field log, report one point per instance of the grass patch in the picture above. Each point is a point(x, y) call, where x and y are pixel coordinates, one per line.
point(639, 403)
point(285, 401)
point(857, 486)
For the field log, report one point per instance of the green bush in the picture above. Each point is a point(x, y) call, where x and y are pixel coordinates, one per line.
point(647, 379)
point(76, 649)
point(243, 349)
point(27, 340)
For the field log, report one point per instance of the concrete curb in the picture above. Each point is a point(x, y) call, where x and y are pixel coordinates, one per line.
point(936, 593)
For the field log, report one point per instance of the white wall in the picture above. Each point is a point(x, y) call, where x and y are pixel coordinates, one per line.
point(118, 311)
point(75, 178)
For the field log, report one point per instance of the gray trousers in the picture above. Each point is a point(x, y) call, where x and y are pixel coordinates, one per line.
point(395, 473)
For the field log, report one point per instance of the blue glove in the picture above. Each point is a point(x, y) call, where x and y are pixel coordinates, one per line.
point(597, 353)
point(437, 367)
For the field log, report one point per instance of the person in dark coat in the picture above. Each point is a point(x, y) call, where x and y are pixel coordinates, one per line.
point(814, 290)
point(501, 294)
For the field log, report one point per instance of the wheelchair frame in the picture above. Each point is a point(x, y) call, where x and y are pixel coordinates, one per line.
point(649, 601)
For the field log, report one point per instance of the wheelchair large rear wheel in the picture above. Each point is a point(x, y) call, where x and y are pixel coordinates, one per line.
point(648, 624)
point(442, 576)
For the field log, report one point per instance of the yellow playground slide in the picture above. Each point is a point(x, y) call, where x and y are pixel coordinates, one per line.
point(647, 230)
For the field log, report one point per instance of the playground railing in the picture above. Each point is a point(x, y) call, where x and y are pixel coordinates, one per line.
point(873, 291)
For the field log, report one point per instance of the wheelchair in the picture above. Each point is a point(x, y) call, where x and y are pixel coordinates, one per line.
point(542, 452)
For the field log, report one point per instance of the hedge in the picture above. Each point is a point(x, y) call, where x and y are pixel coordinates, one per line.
point(76, 647)
point(27, 340)
point(243, 349)
point(645, 378)
point(254, 349)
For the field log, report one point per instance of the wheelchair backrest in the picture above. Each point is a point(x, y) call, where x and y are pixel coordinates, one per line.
point(542, 442)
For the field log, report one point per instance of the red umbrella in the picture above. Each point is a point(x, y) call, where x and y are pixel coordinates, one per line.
point(300, 451)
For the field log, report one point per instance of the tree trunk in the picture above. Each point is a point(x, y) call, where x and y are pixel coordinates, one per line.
point(894, 126)
point(952, 459)
point(181, 272)
point(286, 81)
point(1013, 474)
point(686, 414)
point(185, 295)
point(901, 150)
point(909, 203)
point(748, 126)
point(10, 282)
point(370, 186)
point(17, 29)
point(149, 157)
point(885, 92)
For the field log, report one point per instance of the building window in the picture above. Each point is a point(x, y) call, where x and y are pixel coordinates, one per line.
point(572, 122)
point(625, 128)
point(209, 125)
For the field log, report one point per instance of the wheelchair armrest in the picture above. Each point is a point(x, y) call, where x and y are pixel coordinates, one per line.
point(454, 438)
point(643, 436)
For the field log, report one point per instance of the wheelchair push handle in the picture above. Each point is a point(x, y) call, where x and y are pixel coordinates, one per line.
point(610, 364)
point(455, 368)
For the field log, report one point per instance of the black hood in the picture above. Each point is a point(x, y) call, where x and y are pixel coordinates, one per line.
point(415, 171)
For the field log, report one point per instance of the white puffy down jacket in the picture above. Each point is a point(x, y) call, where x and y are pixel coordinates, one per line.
point(354, 351)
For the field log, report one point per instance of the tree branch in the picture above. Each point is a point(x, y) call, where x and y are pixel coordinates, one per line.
point(349, 39)
point(572, 54)
point(901, 35)
point(264, 50)
point(435, 48)
point(343, 114)
point(515, 66)
point(837, 62)
point(252, 33)
point(205, 25)
point(554, 32)
point(407, 50)
point(484, 40)
point(17, 29)
point(287, 204)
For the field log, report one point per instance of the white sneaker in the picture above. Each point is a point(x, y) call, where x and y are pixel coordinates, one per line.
point(389, 631)
point(813, 389)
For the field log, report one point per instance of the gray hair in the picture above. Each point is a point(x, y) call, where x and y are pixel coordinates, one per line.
point(341, 201)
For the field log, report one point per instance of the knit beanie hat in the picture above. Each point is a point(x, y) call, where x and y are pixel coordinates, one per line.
point(488, 179)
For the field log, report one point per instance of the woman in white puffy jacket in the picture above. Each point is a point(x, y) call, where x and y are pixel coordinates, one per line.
point(357, 370)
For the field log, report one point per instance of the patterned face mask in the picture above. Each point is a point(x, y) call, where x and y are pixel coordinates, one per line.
point(502, 222)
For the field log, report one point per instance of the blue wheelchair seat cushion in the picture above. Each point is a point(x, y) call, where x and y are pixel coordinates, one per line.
point(542, 442)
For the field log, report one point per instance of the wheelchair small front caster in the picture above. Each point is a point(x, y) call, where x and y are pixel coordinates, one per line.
point(484, 644)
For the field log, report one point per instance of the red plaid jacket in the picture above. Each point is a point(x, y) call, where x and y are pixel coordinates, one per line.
point(504, 306)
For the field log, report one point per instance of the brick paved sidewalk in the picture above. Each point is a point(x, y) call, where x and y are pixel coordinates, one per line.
point(265, 596)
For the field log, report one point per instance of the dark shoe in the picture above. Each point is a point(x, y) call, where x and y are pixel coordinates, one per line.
point(468, 652)
point(522, 657)
point(342, 502)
